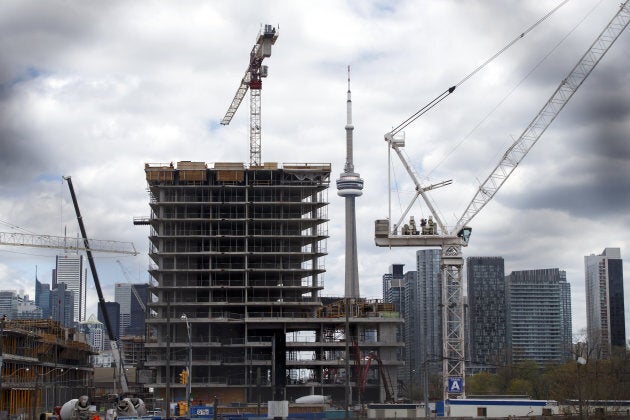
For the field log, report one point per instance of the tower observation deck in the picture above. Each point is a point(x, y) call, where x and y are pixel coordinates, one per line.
point(350, 186)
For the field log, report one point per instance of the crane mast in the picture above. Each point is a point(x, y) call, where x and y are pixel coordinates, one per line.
point(451, 243)
point(252, 80)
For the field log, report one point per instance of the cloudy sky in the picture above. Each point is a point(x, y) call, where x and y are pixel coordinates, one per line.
point(97, 89)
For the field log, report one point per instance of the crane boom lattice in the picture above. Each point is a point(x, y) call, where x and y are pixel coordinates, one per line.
point(252, 80)
point(521, 146)
point(451, 243)
point(63, 242)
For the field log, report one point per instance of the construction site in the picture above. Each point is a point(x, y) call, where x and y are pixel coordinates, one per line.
point(238, 273)
point(42, 363)
point(236, 313)
point(235, 316)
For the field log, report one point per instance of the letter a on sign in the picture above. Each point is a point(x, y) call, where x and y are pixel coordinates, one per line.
point(455, 385)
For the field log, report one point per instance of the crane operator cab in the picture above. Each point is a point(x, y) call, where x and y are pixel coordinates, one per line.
point(464, 233)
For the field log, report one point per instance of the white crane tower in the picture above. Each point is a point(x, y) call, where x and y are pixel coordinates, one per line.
point(452, 240)
point(252, 80)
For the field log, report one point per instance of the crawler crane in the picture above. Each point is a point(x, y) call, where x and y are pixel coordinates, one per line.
point(452, 241)
point(385, 379)
point(126, 406)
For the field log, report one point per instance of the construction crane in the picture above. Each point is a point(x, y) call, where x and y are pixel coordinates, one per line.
point(116, 352)
point(389, 393)
point(133, 289)
point(252, 80)
point(63, 242)
point(452, 241)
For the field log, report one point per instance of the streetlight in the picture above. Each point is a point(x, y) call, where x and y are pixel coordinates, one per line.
point(580, 362)
point(189, 377)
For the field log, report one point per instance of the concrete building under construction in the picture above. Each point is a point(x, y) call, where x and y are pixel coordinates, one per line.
point(43, 364)
point(238, 257)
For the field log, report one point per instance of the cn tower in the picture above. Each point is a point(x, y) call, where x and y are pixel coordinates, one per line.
point(349, 186)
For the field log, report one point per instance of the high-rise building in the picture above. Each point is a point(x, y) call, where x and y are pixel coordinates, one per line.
point(238, 256)
point(71, 270)
point(132, 299)
point(394, 288)
point(113, 313)
point(9, 301)
point(138, 310)
point(487, 317)
point(411, 327)
point(122, 296)
point(422, 296)
point(42, 297)
point(605, 322)
point(62, 305)
point(95, 332)
point(394, 292)
point(429, 306)
point(537, 316)
point(567, 323)
point(423, 317)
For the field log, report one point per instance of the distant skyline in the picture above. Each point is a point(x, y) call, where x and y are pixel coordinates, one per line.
point(97, 92)
point(405, 268)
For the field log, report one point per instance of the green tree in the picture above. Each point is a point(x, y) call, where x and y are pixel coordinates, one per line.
point(564, 382)
point(520, 386)
point(482, 383)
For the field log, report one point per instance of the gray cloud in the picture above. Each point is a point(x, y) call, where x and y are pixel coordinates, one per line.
point(97, 91)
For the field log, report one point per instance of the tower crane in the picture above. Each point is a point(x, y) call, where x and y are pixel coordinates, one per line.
point(451, 241)
point(252, 80)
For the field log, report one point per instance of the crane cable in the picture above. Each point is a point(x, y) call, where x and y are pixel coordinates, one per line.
point(424, 109)
point(450, 90)
point(529, 73)
point(521, 36)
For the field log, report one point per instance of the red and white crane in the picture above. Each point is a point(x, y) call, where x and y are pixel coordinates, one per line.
point(252, 80)
point(385, 379)
point(452, 240)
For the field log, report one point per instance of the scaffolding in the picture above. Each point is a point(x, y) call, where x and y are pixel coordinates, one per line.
point(43, 365)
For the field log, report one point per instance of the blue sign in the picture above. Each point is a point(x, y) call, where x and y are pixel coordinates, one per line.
point(200, 411)
point(455, 385)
